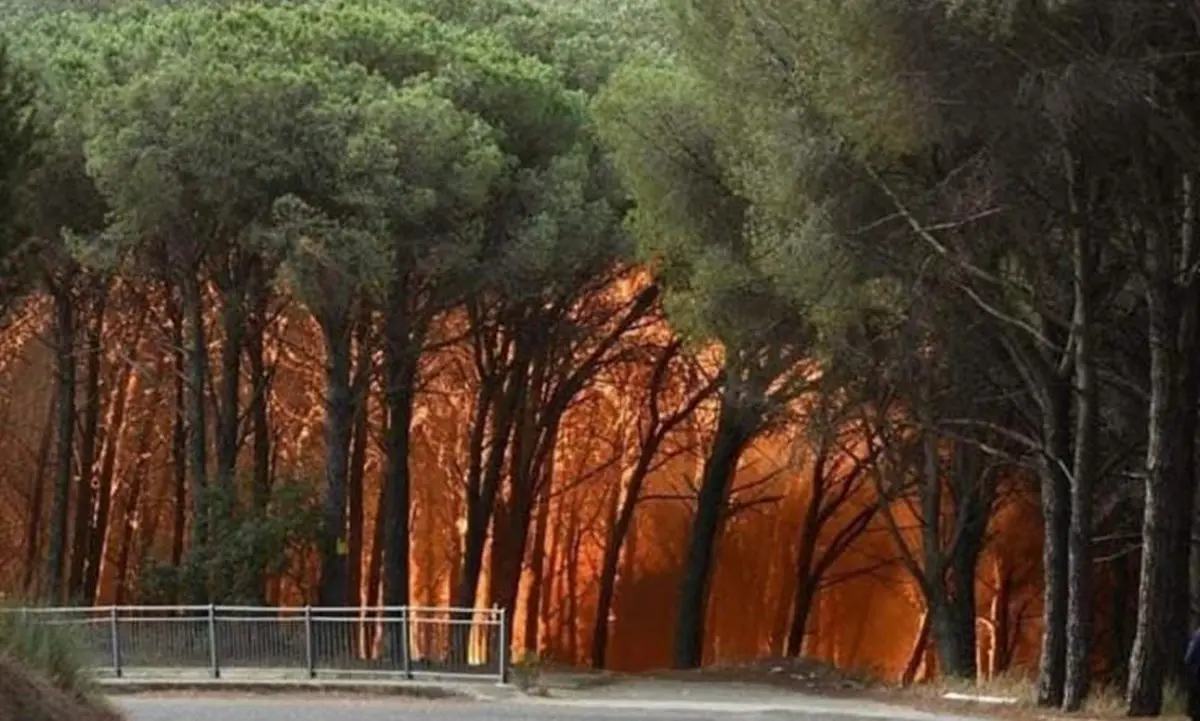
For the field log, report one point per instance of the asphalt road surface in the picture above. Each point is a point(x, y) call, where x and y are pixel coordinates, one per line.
point(281, 708)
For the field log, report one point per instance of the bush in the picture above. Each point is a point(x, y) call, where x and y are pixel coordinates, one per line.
point(48, 650)
point(527, 674)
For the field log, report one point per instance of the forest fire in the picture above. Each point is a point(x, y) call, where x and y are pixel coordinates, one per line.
point(877, 617)
point(623, 334)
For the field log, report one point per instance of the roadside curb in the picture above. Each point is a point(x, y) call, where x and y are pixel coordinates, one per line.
point(424, 691)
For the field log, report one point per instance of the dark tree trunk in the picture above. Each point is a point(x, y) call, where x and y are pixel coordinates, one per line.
point(953, 627)
point(974, 495)
point(179, 461)
point(396, 538)
point(1179, 620)
point(1172, 341)
point(1055, 491)
point(260, 377)
point(806, 591)
point(64, 309)
point(728, 443)
point(1122, 631)
point(537, 569)
point(257, 316)
point(626, 503)
point(403, 345)
point(1193, 606)
point(481, 499)
point(196, 346)
point(339, 423)
point(527, 489)
point(501, 395)
point(607, 583)
point(358, 457)
point(1079, 539)
point(1158, 584)
point(85, 501)
point(228, 415)
point(37, 491)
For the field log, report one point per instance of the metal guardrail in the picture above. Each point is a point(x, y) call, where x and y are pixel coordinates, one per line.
point(381, 642)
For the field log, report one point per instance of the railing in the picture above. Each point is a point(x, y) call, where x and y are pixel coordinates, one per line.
point(287, 642)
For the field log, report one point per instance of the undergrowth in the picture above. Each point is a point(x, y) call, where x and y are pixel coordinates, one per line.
point(49, 650)
point(1106, 700)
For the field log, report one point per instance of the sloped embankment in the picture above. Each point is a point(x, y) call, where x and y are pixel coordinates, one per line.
point(25, 696)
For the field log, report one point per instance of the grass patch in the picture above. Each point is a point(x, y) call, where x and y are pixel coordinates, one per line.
point(526, 675)
point(50, 651)
point(1106, 701)
point(1013, 685)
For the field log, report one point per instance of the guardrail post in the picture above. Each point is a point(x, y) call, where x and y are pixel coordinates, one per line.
point(503, 634)
point(405, 639)
point(212, 641)
point(114, 625)
point(310, 661)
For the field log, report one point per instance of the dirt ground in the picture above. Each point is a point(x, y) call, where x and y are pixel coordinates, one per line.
point(806, 676)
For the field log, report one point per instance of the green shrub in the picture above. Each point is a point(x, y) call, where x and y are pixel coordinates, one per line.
point(48, 650)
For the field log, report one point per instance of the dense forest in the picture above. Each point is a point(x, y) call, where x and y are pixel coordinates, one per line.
point(686, 331)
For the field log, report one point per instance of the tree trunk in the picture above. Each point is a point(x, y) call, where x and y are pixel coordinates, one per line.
point(917, 653)
point(402, 351)
point(607, 583)
point(65, 450)
point(1158, 583)
point(260, 377)
point(358, 457)
point(1055, 491)
point(1173, 312)
point(254, 344)
point(728, 443)
point(375, 564)
point(137, 483)
point(537, 569)
point(85, 501)
point(37, 491)
point(806, 591)
point(126, 386)
point(197, 383)
point(228, 420)
point(1178, 622)
point(1122, 592)
point(952, 624)
point(529, 485)
point(616, 542)
point(1193, 573)
point(339, 422)
point(1079, 539)
point(481, 503)
point(1000, 662)
point(552, 596)
point(627, 501)
point(179, 461)
point(571, 620)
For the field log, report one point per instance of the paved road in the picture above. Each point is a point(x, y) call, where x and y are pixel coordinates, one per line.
point(325, 708)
